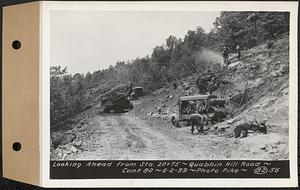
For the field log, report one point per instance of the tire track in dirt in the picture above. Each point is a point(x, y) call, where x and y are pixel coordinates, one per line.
point(155, 145)
point(134, 143)
point(123, 137)
point(126, 137)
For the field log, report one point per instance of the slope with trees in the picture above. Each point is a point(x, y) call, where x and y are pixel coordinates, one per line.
point(169, 62)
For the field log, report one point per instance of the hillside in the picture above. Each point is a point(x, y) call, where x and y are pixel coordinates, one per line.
point(258, 90)
point(262, 72)
point(175, 59)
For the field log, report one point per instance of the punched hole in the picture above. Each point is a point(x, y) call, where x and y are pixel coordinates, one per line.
point(16, 146)
point(16, 44)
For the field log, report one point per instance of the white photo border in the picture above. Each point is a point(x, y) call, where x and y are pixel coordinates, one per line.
point(47, 7)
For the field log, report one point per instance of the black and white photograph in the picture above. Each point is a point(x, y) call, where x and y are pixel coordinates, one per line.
point(144, 94)
point(169, 85)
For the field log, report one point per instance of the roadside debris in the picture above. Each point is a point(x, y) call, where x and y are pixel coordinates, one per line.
point(242, 130)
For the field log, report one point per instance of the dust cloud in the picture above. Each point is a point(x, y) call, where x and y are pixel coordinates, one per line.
point(209, 56)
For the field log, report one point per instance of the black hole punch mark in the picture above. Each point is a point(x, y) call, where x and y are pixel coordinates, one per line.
point(16, 146)
point(16, 44)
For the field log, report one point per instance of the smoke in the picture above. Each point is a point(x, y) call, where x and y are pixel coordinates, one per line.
point(207, 58)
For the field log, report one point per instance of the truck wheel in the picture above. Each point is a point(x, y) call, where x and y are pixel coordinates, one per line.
point(188, 122)
point(177, 123)
point(106, 110)
point(211, 112)
point(118, 110)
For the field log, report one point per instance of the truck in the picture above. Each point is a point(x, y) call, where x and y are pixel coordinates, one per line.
point(117, 99)
point(210, 105)
point(136, 93)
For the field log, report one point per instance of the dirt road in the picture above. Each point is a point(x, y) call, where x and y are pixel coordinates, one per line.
point(120, 136)
point(125, 137)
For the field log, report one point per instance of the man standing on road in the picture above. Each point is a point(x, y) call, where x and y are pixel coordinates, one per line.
point(238, 50)
point(225, 55)
point(175, 85)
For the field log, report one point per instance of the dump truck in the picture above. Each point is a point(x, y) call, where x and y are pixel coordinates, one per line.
point(210, 105)
point(117, 99)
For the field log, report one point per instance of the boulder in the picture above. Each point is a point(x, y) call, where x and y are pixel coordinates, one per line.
point(230, 121)
point(61, 138)
point(73, 149)
point(239, 128)
point(78, 143)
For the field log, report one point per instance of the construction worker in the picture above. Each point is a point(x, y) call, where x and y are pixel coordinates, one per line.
point(238, 50)
point(275, 36)
point(174, 85)
point(225, 55)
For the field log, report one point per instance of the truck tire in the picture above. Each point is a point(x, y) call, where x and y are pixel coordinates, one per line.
point(211, 112)
point(106, 110)
point(177, 123)
point(188, 122)
point(118, 109)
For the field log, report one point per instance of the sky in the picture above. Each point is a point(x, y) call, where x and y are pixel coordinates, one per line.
point(87, 41)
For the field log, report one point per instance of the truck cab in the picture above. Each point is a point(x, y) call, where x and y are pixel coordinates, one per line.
point(136, 93)
point(208, 105)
